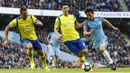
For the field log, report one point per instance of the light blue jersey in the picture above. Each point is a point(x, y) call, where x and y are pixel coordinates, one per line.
point(54, 47)
point(98, 36)
point(54, 39)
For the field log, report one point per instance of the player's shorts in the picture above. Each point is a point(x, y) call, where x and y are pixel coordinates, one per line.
point(53, 51)
point(101, 43)
point(75, 45)
point(35, 43)
point(44, 48)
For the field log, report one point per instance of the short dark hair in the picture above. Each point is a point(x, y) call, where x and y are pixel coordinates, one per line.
point(63, 4)
point(88, 10)
point(23, 8)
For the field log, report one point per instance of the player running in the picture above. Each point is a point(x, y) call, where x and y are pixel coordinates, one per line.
point(25, 26)
point(93, 27)
point(53, 48)
point(67, 23)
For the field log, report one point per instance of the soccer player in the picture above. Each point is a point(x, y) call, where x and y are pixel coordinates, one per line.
point(25, 26)
point(93, 27)
point(53, 48)
point(67, 24)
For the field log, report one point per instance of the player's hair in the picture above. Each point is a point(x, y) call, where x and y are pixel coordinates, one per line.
point(88, 10)
point(63, 4)
point(23, 9)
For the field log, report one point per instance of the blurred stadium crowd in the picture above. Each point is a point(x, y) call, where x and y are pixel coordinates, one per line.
point(97, 5)
point(128, 3)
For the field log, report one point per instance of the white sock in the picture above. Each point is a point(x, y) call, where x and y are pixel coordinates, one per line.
point(53, 63)
point(107, 57)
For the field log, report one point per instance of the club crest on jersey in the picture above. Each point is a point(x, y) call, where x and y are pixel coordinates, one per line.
point(69, 25)
point(29, 20)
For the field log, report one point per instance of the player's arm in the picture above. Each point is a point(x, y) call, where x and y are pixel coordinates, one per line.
point(48, 39)
point(6, 32)
point(110, 25)
point(78, 25)
point(86, 30)
point(86, 33)
point(56, 28)
point(11, 24)
point(36, 22)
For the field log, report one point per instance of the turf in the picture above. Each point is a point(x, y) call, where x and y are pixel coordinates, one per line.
point(98, 70)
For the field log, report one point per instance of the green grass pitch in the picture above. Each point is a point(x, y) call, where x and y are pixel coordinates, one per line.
point(76, 70)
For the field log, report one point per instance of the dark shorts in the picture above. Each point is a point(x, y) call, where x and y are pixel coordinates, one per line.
point(35, 43)
point(75, 45)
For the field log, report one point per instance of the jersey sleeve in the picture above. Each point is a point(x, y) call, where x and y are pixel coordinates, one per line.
point(86, 26)
point(34, 18)
point(75, 19)
point(57, 24)
point(12, 23)
point(49, 36)
point(102, 19)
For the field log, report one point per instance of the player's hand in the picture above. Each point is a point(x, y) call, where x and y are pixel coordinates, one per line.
point(38, 23)
point(5, 44)
point(60, 40)
point(91, 31)
point(60, 36)
point(49, 42)
point(116, 30)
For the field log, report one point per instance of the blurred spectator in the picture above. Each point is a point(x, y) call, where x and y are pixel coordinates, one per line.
point(128, 3)
point(97, 5)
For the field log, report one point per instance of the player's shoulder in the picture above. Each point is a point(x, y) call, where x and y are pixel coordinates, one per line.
point(60, 16)
point(30, 15)
point(86, 21)
point(50, 33)
point(100, 18)
point(16, 19)
point(71, 15)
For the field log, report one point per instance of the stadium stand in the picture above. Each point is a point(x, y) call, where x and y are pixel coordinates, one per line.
point(128, 3)
point(97, 5)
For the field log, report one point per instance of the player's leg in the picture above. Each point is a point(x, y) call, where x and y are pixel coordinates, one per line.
point(83, 51)
point(37, 47)
point(51, 55)
point(28, 45)
point(77, 47)
point(82, 55)
point(57, 52)
point(43, 59)
point(106, 55)
point(53, 61)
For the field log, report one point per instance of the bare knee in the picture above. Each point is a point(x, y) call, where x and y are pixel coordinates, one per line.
point(102, 49)
point(53, 57)
point(39, 52)
point(82, 53)
point(85, 51)
point(29, 46)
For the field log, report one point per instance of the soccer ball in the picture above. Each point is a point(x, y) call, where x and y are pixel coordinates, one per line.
point(86, 66)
